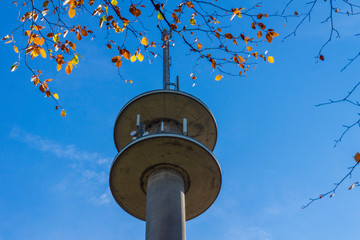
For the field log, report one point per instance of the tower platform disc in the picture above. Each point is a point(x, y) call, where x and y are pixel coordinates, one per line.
point(173, 105)
point(203, 174)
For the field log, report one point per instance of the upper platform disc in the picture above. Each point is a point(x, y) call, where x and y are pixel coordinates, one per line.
point(167, 105)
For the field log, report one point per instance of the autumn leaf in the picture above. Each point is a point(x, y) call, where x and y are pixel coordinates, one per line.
point(43, 53)
point(114, 2)
point(126, 54)
point(259, 16)
point(192, 21)
point(199, 46)
point(72, 12)
point(218, 77)
point(69, 67)
point(259, 34)
point(63, 113)
point(228, 36)
point(357, 157)
point(14, 66)
point(140, 57)
point(270, 59)
point(42, 41)
point(353, 185)
point(269, 37)
point(133, 58)
point(118, 63)
point(134, 10)
point(322, 58)
point(56, 38)
point(83, 32)
point(160, 16)
point(56, 96)
point(144, 41)
point(248, 48)
point(16, 49)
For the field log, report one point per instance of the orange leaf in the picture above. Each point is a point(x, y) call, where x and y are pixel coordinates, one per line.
point(58, 67)
point(72, 12)
point(118, 63)
point(199, 46)
point(259, 34)
point(78, 36)
point(269, 37)
point(127, 54)
point(63, 113)
point(43, 53)
point(16, 49)
point(84, 32)
point(42, 41)
point(248, 48)
point(69, 68)
point(259, 16)
point(357, 157)
point(218, 77)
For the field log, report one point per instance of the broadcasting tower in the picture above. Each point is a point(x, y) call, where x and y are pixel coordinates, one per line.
point(165, 172)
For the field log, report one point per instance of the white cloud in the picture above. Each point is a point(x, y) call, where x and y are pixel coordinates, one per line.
point(59, 150)
point(91, 168)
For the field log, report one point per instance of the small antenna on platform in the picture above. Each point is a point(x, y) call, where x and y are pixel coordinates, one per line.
point(166, 59)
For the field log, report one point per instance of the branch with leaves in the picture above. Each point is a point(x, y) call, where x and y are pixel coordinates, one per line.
point(208, 29)
point(332, 192)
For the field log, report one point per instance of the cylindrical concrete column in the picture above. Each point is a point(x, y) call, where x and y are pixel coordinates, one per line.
point(165, 206)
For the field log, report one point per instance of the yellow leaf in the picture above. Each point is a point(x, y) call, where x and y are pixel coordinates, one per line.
point(56, 38)
point(144, 41)
point(63, 113)
point(270, 59)
point(114, 2)
point(69, 68)
point(192, 21)
point(357, 157)
point(133, 58)
point(218, 77)
point(34, 53)
point(16, 49)
point(56, 96)
point(58, 67)
point(140, 57)
point(42, 41)
point(43, 53)
point(72, 12)
point(160, 16)
point(249, 48)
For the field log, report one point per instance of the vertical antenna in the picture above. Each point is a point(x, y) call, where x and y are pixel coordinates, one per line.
point(166, 66)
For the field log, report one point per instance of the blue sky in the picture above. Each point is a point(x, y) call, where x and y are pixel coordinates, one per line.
point(274, 147)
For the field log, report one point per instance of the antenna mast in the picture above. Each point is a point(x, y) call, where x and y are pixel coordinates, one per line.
point(166, 59)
